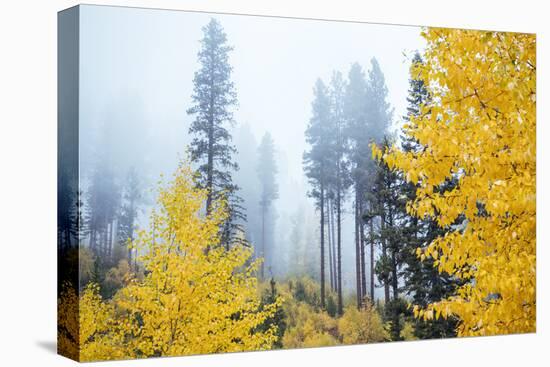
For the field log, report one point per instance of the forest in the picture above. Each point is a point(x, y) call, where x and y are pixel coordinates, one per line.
point(418, 226)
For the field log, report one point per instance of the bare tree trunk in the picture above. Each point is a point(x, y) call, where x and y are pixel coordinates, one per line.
point(104, 243)
point(362, 250)
point(395, 283)
point(262, 272)
point(385, 254)
point(372, 260)
point(339, 239)
point(357, 251)
point(322, 245)
point(330, 244)
point(333, 240)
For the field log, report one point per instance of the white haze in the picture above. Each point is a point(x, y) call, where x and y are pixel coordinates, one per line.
point(137, 67)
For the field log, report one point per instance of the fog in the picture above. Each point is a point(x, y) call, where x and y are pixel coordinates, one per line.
point(136, 71)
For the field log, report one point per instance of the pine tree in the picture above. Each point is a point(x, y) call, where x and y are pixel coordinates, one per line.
point(391, 208)
point(379, 116)
point(213, 98)
point(379, 111)
point(422, 281)
point(317, 161)
point(339, 168)
point(359, 137)
point(267, 170)
point(400, 234)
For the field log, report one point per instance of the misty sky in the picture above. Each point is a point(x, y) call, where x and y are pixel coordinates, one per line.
point(136, 72)
point(137, 67)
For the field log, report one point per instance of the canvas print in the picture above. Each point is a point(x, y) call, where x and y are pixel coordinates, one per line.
point(232, 183)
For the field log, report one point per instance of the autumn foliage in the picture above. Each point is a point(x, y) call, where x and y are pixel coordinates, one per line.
point(189, 282)
point(195, 297)
point(478, 129)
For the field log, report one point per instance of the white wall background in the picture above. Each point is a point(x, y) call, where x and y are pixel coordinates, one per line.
point(28, 182)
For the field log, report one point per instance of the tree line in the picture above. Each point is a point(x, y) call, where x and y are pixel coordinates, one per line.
point(349, 117)
point(422, 230)
point(104, 214)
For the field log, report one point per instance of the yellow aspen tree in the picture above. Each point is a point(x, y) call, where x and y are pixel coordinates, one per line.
point(479, 130)
point(362, 326)
point(68, 322)
point(196, 297)
point(99, 335)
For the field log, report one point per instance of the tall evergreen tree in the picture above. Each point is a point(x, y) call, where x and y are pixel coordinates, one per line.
point(379, 111)
point(359, 137)
point(213, 98)
point(398, 269)
point(317, 160)
point(267, 171)
point(422, 281)
point(390, 207)
point(339, 167)
point(379, 116)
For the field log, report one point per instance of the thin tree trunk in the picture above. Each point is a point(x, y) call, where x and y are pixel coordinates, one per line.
point(333, 240)
point(357, 251)
point(330, 244)
point(101, 242)
point(322, 245)
point(339, 239)
point(362, 250)
point(372, 260)
point(104, 243)
point(395, 283)
point(263, 243)
point(385, 254)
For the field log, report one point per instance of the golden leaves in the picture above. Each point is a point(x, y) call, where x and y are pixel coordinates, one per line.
point(362, 326)
point(479, 131)
point(196, 297)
